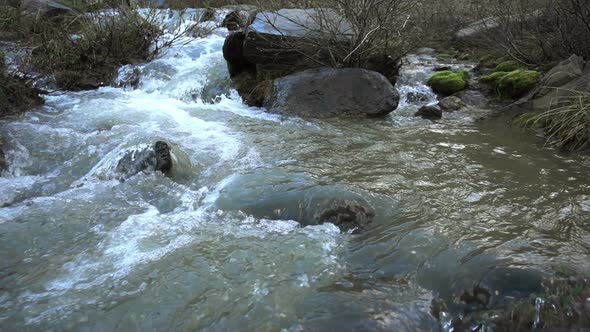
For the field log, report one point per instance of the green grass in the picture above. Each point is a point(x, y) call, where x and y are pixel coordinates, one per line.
point(566, 123)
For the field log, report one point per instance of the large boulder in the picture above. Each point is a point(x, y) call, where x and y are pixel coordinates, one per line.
point(46, 8)
point(563, 81)
point(148, 160)
point(289, 41)
point(273, 196)
point(293, 39)
point(326, 92)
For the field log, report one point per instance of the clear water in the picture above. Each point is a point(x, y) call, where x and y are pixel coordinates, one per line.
point(455, 200)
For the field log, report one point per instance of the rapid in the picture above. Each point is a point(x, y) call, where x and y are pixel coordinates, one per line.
point(457, 202)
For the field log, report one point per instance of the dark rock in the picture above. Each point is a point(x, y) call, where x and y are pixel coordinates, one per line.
point(277, 40)
point(416, 97)
point(233, 21)
point(326, 92)
point(233, 53)
point(239, 17)
point(431, 112)
point(148, 160)
point(276, 197)
point(442, 68)
point(384, 65)
point(450, 104)
point(46, 8)
point(3, 164)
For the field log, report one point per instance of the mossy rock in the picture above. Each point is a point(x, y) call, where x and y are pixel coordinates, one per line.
point(517, 83)
point(514, 84)
point(448, 82)
point(507, 66)
point(493, 78)
point(489, 61)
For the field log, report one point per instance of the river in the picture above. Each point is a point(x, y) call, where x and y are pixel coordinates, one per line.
point(457, 202)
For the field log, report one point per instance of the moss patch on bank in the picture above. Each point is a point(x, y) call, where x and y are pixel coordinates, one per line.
point(513, 84)
point(448, 82)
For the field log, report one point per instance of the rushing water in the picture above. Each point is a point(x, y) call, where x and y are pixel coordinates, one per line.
point(457, 202)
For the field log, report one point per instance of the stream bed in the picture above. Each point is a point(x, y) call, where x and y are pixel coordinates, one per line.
point(457, 202)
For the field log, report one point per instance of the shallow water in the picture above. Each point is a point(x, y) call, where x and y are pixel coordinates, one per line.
point(455, 201)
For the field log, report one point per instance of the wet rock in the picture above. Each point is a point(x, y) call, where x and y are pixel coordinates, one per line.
point(450, 104)
point(442, 68)
point(431, 112)
point(233, 53)
point(326, 92)
point(148, 160)
point(239, 17)
point(384, 65)
point(416, 97)
point(473, 98)
point(3, 164)
point(128, 77)
point(276, 197)
point(46, 8)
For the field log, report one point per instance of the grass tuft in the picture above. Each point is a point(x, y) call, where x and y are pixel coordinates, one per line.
point(567, 122)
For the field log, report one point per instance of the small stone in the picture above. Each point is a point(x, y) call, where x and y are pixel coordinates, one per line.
point(431, 112)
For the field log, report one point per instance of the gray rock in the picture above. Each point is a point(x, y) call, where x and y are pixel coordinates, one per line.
point(450, 104)
point(561, 82)
point(46, 8)
point(327, 92)
point(154, 158)
point(473, 98)
point(279, 197)
point(430, 112)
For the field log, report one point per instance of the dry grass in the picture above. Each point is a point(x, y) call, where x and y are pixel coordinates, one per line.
point(566, 123)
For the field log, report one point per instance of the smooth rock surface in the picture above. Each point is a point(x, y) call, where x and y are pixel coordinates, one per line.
point(327, 92)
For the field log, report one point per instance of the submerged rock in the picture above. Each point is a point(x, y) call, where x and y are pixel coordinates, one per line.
point(271, 196)
point(431, 112)
point(325, 92)
point(154, 158)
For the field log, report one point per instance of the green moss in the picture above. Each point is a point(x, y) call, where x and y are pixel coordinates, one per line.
point(509, 65)
point(445, 56)
point(512, 84)
point(448, 82)
point(516, 83)
point(489, 61)
point(493, 78)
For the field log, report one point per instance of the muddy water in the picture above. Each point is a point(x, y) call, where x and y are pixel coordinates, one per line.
point(457, 202)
